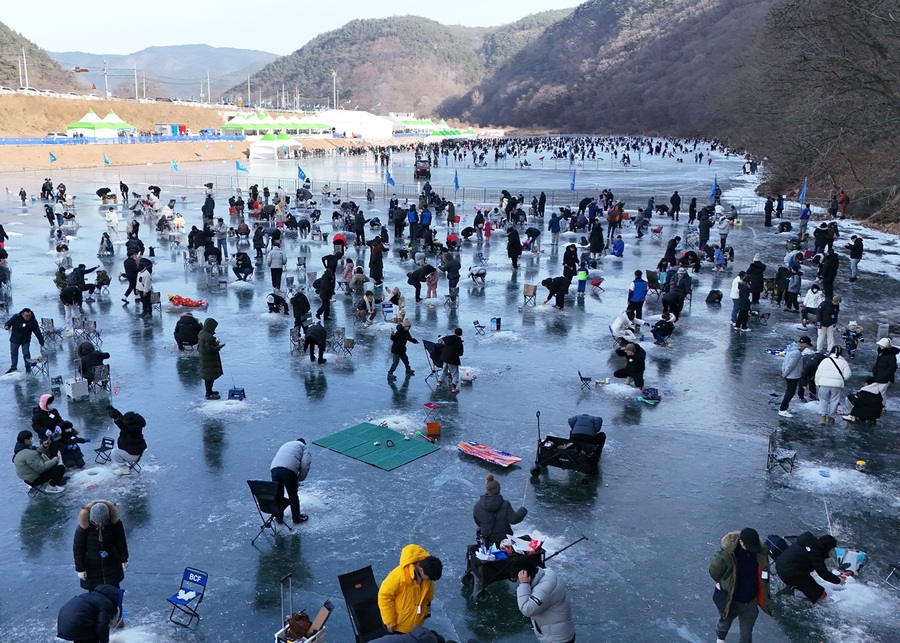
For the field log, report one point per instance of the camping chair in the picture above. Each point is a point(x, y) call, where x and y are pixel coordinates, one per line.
point(289, 284)
point(40, 365)
point(361, 595)
point(431, 410)
point(597, 285)
point(49, 329)
point(78, 332)
point(656, 233)
point(310, 279)
point(100, 379)
point(479, 328)
point(585, 382)
point(190, 259)
point(760, 317)
point(263, 492)
point(103, 451)
point(155, 302)
point(895, 569)
point(481, 259)
point(615, 339)
point(189, 596)
point(296, 341)
point(387, 311)
point(451, 299)
point(89, 332)
point(348, 346)
point(134, 466)
point(779, 457)
point(435, 365)
point(653, 285)
point(529, 293)
point(335, 341)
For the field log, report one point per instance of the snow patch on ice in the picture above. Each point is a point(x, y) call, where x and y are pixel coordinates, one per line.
point(217, 408)
point(136, 635)
point(499, 337)
point(400, 423)
point(840, 481)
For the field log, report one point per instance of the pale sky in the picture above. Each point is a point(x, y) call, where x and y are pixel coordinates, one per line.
point(277, 26)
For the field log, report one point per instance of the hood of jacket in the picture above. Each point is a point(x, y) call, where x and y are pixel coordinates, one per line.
point(492, 502)
point(210, 325)
point(412, 554)
point(84, 516)
point(44, 401)
point(108, 591)
point(730, 541)
point(890, 350)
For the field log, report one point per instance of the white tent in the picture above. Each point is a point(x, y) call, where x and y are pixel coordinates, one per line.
point(270, 147)
point(357, 123)
point(91, 126)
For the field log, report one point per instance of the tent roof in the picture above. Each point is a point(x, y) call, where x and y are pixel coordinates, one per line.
point(114, 119)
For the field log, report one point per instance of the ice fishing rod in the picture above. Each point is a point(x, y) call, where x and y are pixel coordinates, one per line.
point(565, 548)
point(537, 414)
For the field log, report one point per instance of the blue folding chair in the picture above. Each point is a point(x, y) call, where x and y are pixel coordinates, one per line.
point(187, 599)
point(481, 259)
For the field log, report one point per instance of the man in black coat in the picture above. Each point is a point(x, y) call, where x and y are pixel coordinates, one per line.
point(90, 616)
point(399, 339)
point(326, 292)
point(451, 354)
point(187, 329)
point(828, 272)
point(635, 362)
point(675, 201)
point(21, 327)
point(131, 274)
point(807, 555)
point(885, 365)
point(556, 287)
point(417, 277)
point(671, 250)
point(300, 307)
point(131, 444)
point(316, 337)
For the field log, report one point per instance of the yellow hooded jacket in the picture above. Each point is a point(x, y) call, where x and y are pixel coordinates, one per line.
point(403, 602)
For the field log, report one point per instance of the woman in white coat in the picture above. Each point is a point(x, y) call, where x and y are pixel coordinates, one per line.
point(831, 377)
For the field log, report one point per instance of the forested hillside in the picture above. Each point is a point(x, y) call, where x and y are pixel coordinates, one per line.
point(43, 72)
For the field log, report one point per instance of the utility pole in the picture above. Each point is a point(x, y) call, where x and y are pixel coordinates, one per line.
point(19, 61)
point(144, 78)
point(208, 88)
point(334, 88)
point(135, 82)
point(248, 90)
point(106, 78)
point(25, 65)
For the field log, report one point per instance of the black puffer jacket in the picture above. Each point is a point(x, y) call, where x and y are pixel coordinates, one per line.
point(453, 349)
point(87, 617)
point(399, 338)
point(131, 431)
point(90, 357)
point(90, 543)
point(885, 365)
point(805, 556)
point(42, 420)
point(188, 329)
point(494, 515)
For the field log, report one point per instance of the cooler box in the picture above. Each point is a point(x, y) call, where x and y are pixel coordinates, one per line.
point(76, 389)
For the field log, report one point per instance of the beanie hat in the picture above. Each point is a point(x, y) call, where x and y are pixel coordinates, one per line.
point(99, 513)
point(630, 347)
point(406, 322)
point(491, 486)
point(828, 542)
point(884, 342)
point(837, 299)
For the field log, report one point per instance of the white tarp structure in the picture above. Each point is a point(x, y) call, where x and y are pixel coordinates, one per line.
point(271, 147)
point(357, 123)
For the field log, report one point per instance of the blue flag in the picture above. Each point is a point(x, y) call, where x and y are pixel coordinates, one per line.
point(803, 194)
point(456, 179)
point(301, 174)
point(174, 165)
point(572, 186)
point(712, 190)
point(52, 158)
point(390, 179)
point(239, 167)
point(105, 159)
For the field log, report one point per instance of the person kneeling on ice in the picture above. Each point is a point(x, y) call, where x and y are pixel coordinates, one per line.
point(867, 403)
point(807, 555)
point(289, 468)
point(35, 468)
point(618, 247)
point(662, 330)
point(635, 362)
point(541, 597)
point(405, 596)
point(586, 431)
point(494, 516)
point(627, 326)
point(131, 444)
point(89, 617)
point(276, 303)
point(557, 287)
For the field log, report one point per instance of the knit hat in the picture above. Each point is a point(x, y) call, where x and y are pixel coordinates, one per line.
point(682, 271)
point(491, 487)
point(756, 257)
point(884, 342)
point(837, 299)
point(406, 322)
point(45, 401)
point(99, 514)
point(828, 542)
point(630, 347)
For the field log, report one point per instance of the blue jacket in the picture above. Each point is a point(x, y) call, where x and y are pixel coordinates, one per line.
point(412, 216)
point(638, 291)
point(553, 226)
point(618, 248)
point(792, 365)
point(426, 217)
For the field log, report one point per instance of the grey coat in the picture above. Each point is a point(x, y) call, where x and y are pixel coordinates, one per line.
point(792, 366)
point(544, 602)
point(294, 455)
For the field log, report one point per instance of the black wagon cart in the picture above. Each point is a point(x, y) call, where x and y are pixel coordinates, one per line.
point(579, 453)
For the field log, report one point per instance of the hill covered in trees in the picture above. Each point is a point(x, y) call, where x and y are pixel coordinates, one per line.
point(43, 71)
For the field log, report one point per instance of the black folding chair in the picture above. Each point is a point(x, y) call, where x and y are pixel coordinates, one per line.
point(103, 451)
point(361, 595)
point(585, 382)
point(777, 456)
point(479, 328)
point(435, 365)
point(267, 504)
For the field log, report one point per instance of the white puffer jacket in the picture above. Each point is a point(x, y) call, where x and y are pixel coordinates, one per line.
point(830, 371)
point(544, 602)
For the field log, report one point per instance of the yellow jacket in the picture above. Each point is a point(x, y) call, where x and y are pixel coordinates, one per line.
point(403, 602)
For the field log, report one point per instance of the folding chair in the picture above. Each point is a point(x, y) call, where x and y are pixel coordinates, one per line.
point(451, 299)
point(49, 329)
point(90, 332)
point(189, 596)
point(101, 380)
point(335, 341)
point(310, 279)
point(597, 285)
point(585, 382)
point(779, 457)
point(40, 365)
point(348, 346)
point(656, 233)
point(529, 293)
point(289, 284)
point(387, 311)
point(653, 285)
point(190, 259)
point(103, 451)
point(481, 259)
point(264, 497)
point(296, 342)
point(78, 333)
point(895, 569)
point(434, 365)
point(614, 338)
point(134, 466)
point(155, 302)
point(431, 411)
point(760, 317)
point(479, 328)
point(361, 595)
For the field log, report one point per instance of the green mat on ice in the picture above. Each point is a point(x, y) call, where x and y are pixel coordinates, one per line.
point(358, 442)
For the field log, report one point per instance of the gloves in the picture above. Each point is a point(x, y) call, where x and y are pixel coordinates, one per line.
point(82, 575)
point(71, 447)
point(124, 565)
point(87, 439)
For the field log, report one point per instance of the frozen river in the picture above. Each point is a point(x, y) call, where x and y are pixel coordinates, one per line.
point(674, 478)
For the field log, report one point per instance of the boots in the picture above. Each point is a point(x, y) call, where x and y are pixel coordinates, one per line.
point(822, 419)
point(829, 419)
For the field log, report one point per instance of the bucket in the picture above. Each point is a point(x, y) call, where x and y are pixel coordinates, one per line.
point(883, 331)
point(433, 429)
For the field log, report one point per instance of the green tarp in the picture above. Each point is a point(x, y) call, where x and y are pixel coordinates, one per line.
point(358, 442)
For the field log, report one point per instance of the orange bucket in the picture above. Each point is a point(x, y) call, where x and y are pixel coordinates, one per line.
point(433, 429)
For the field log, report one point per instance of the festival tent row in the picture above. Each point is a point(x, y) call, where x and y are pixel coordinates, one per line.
point(92, 126)
point(260, 123)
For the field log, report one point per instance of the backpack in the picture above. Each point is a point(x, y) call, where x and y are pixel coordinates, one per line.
point(776, 545)
point(811, 363)
point(714, 297)
point(651, 394)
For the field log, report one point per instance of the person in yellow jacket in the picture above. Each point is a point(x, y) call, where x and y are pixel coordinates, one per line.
point(405, 595)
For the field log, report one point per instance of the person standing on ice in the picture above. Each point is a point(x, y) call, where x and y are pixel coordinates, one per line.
point(541, 596)
point(405, 596)
point(289, 468)
point(741, 573)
